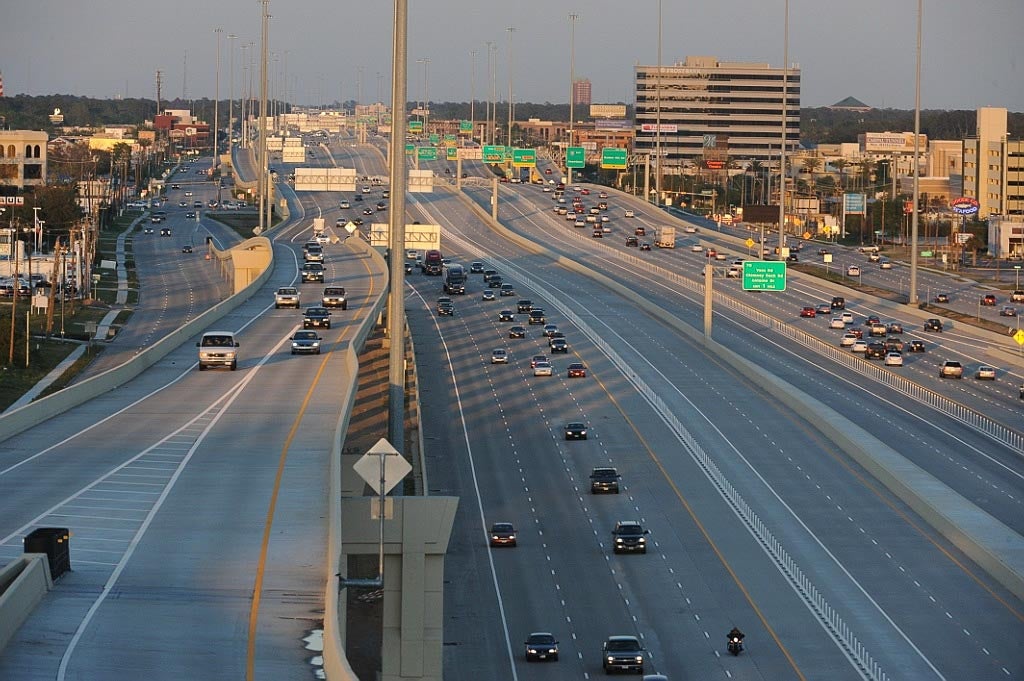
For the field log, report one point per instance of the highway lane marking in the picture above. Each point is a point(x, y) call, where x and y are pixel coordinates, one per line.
point(261, 563)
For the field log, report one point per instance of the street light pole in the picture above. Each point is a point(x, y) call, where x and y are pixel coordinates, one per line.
point(510, 30)
point(216, 104)
point(396, 278)
point(472, 94)
point(264, 192)
point(572, 89)
point(912, 296)
point(231, 87)
point(785, 122)
point(657, 123)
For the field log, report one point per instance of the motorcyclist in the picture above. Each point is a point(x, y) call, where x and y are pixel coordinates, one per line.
point(735, 634)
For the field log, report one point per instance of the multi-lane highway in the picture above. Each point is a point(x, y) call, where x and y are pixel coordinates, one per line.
point(917, 606)
point(196, 501)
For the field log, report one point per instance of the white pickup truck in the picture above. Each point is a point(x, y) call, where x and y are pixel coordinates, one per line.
point(286, 296)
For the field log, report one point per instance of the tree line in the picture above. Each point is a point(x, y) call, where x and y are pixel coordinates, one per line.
point(818, 125)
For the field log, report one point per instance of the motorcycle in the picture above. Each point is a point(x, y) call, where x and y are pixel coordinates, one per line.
point(1022, 392)
point(735, 645)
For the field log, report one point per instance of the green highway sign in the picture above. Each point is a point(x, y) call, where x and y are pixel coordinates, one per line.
point(451, 153)
point(426, 153)
point(434, 138)
point(614, 159)
point(764, 275)
point(494, 153)
point(410, 149)
point(465, 126)
point(415, 126)
point(524, 158)
point(450, 137)
point(575, 157)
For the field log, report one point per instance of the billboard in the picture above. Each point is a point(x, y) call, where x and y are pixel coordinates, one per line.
point(767, 215)
point(607, 110)
point(855, 204)
point(890, 142)
point(653, 127)
point(618, 124)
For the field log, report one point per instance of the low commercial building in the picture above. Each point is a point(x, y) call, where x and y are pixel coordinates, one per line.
point(23, 158)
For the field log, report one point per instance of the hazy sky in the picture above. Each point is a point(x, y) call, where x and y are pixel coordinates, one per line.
point(972, 53)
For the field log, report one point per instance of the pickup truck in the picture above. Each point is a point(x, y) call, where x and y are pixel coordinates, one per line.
point(623, 653)
point(334, 296)
point(286, 296)
point(604, 479)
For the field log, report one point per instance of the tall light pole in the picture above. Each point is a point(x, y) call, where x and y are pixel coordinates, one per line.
point(359, 87)
point(657, 121)
point(425, 102)
point(511, 30)
point(231, 89)
point(490, 99)
point(472, 93)
point(216, 104)
point(912, 296)
point(785, 123)
point(264, 191)
point(397, 179)
point(572, 89)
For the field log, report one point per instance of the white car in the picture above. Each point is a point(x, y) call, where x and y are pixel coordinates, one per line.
point(542, 369)
point(836, 323)
point(696, 248)
point(690, 229)
point(853, 271)
point(848, 340)
point(859, 346)
point(885, 265)
point(720, 256)
point(893, 359)
point(488, 294)
point(344, 204)
point(847, 317)
point(499, 356)
point(630, 214)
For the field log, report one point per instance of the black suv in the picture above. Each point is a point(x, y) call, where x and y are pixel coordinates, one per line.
point(524, 306)
point(604, 479)
point(316, 317)
point(933, 325)
point(629, 535)
point(623, 653)
point(838, 303)
point(536, 317)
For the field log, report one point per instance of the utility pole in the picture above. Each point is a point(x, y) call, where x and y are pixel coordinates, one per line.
point(264, 169)
point(785, 124)
point(472, 94)
point(231, 87)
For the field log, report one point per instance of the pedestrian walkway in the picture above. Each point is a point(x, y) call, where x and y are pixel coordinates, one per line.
point(49, 378)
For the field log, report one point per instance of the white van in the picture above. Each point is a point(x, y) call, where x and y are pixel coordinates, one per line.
point(218, 349)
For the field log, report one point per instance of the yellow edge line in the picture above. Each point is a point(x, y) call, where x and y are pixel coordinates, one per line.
point(261, 566)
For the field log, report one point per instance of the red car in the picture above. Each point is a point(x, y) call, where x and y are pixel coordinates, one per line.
point(807, 311)
point(585, 192)
point(577, 370)
point(989, 299)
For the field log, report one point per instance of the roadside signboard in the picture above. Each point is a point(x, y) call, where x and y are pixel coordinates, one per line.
point(854, 204)
point(426, 153)
point(764, 275)
point(493, 153)
point(415, 126)
point(965, 205)
point(410, 149)
point(470, 153)
point(524, 158)
point(451, 153)
point(450, 137)
point(466, 127)
point(575, 157)
point(434, 138)
point(614, 159)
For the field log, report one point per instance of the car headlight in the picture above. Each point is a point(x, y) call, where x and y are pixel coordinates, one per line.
point(639, 659)
point(532, 651)
point(642, 540)
point(618, 540)
point(610, 659)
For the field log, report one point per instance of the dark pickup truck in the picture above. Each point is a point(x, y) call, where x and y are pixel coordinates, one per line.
point(623, 653)
point(604, 479)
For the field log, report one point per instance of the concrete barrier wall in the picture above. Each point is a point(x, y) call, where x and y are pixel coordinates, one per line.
point(988, 542)
point(23, 583)
point(336, 665)
point(36, 412)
